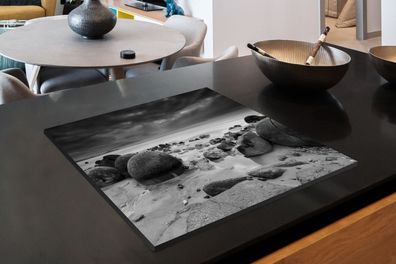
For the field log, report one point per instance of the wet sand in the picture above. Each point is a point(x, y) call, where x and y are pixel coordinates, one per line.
point(166, 210)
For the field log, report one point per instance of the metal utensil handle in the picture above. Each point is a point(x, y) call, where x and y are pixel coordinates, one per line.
point(317, 46)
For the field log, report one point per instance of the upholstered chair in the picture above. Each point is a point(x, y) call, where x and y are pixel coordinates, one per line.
point(13, 86)
point(51, 79)
point(231, 52)
point(193, 29)
point(26, 12)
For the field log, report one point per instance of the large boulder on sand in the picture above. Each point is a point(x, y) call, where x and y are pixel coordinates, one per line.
point(252, 145)
point(106, 161)
point(121, 163)
point(104, 176)
point(217, 187)
point(279, 134)
point(147, 165)
point(226, 145)
point(253, 118)
point(264, 173)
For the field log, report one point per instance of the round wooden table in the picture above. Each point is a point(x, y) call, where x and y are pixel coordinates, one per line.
point(50, 42)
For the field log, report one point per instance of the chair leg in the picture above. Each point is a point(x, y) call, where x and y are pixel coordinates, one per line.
point(117, 73)
point(32, 72)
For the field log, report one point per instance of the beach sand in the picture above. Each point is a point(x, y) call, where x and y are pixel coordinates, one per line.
point(163, 211)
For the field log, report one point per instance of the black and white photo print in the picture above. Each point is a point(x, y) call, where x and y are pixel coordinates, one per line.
point(178, 164)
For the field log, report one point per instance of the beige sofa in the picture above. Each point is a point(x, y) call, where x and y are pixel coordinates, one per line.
point(347, 18)
point(27, 12)
point(333, 8)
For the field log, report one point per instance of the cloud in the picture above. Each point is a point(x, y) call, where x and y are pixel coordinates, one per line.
point(104, 133)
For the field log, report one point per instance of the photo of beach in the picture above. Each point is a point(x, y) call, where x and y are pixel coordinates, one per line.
point(178, 164)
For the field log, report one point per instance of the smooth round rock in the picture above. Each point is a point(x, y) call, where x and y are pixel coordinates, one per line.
point(233, 134)
point(279, 134)
point(147, 165)
point(215, 188)
point(266, 174)
point(104, 176)
point(122, 161)
point(226, 145)
point(107, 161)
point(215, 141)
point(201, 164)
point(253, 118)
point(214, 154)
point(251, 145)
point(204, 136)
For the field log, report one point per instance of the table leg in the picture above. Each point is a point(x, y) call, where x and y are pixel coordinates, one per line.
point(117, 73)
point(32, 72)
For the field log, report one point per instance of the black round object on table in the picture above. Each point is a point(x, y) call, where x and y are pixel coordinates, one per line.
point(92, 20)
point(127, 54)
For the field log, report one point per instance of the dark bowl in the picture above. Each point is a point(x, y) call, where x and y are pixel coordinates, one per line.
point(384, 60)
point(288, 70)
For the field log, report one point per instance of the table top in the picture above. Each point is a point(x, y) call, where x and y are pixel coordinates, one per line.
point(53, 43)
point(50, 213)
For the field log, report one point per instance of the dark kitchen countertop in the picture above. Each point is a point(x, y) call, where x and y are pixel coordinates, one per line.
point(50, 214)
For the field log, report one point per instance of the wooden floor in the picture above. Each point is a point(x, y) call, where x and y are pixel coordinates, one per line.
point(346, 37)
point(366, 236)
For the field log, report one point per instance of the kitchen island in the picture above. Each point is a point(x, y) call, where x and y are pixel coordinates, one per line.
point(50, 213)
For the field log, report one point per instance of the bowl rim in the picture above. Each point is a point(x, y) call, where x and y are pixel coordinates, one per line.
point(349, 59)
point(381, 58)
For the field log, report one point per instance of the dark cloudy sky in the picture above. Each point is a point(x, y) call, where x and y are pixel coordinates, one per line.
point(97, 135)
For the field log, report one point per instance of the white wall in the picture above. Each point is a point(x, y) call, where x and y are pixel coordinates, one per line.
point(237, 22)
point(203, 9)
point(255, 20)
point(388, 22)
point(374, 15)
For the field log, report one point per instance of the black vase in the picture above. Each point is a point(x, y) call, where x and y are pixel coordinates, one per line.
point(92, 20)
